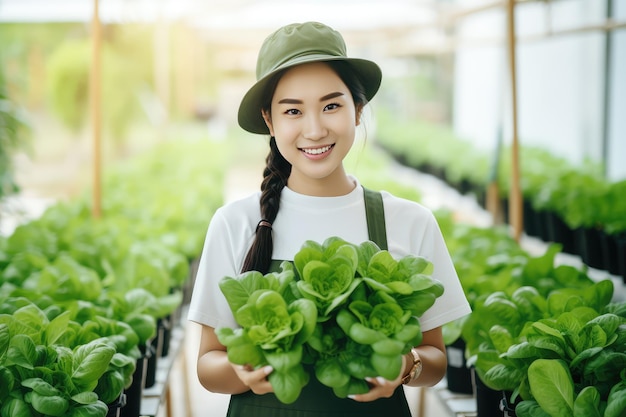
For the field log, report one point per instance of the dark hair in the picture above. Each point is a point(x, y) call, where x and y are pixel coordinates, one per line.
point(278, 169)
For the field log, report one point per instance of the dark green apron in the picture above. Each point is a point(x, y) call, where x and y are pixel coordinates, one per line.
point(317, 400)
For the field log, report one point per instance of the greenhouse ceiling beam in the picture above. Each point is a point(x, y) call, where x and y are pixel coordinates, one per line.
point(452, 43)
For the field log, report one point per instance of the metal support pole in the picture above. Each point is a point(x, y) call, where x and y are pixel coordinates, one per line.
point(96, 113)
point(515, 197)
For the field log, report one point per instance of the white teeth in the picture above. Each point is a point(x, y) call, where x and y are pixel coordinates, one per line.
point(317, 151)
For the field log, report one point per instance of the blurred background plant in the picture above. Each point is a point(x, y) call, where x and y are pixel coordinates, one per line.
point(13, 135)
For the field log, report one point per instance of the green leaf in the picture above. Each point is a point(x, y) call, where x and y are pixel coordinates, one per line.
point(552, 386)
point(16, 407)
point(388, 367)
point(241, 350)
point(97, 409)
point(89, 363)
point(353, 387)
point(501, 338)
point(53, 405)
point(388, 347)
point(616, 402)
point(284, 361)
point(86, 397)
point(366, 250)
point(110, 386)
point(5, 339)
point(309, 315)
point(365, 335)
point(330, 373)
point(238, 290)
point(143, 325)
point(530, 409)
point(287, 386)
point(56, 328)
point(587, 403)
point(40, 386)
point(22, 351)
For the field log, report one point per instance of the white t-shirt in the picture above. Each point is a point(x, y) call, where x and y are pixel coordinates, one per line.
point(411, 229)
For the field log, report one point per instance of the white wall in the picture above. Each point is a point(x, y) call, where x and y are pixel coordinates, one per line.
point(559, 81)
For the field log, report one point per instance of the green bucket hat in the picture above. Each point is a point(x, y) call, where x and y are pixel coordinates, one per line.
point(295, 44)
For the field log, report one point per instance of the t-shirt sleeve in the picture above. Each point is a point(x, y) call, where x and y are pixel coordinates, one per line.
point(208, 306)
point(452, 304)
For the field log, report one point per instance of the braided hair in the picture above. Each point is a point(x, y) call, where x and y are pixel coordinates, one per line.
point(278, 169)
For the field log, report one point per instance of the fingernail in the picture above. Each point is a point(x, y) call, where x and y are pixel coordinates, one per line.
point(381, 380)
point(268, 369)
point(369, 379)
point(351, 396)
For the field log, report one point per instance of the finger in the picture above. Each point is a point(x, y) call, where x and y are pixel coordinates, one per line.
point(379, 388)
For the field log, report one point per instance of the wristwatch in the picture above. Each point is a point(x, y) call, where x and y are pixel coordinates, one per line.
point(416, 369)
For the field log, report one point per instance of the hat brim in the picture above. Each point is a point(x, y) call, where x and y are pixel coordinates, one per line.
point(249, 115)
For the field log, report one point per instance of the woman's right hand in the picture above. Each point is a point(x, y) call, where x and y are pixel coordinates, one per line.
point(255, 379)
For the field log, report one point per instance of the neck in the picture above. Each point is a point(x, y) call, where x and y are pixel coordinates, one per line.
point(335, 185)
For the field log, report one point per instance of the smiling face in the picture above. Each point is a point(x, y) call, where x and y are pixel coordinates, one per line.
point(313, 118)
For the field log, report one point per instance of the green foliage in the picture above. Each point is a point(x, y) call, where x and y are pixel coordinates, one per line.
point(425, 145)
point(360, 307)
point(79, 295)
point(579, 194)
point(272, 331)
point(68, 72)
point(12, 135)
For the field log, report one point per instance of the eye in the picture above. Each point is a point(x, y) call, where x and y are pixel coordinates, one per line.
point(292, 112)
point(332, 106)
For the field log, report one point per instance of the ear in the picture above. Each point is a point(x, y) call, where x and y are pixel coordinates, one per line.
point(268, 121)
point(358, 113)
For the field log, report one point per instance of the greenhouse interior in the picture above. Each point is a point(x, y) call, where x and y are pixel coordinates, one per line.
point(119, 140)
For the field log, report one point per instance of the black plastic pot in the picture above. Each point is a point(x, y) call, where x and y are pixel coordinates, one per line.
point(611, 252)
point(487, 399)
point(165, 324)
point(531, 223)
point(135, 391)
point(152, 348)
point(593, 255)
point(621, 256)
point(579, 242)
point(115, 409)
point(543, 225)
point(507, 406)
point(458, 375)
point(560, 232)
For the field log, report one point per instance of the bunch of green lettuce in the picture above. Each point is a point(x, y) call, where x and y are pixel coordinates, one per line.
point(274, 327)
point(349, 310)
point(368, 304)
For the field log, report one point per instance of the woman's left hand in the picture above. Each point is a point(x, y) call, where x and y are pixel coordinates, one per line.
point(379, 388)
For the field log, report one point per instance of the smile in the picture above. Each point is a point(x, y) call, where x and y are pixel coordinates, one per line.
point(317, 151)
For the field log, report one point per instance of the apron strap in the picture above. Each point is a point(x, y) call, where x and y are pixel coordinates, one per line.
point(375, 214)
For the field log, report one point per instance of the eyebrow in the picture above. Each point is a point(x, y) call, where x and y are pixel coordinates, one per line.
point(324, 98)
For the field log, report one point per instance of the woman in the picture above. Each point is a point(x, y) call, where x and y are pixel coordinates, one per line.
point(309, 98)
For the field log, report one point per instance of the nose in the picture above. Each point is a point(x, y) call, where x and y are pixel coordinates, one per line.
point(314, 128)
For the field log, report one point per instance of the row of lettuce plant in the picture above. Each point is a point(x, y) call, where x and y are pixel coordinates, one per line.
point(80, 296)
point(563, 203)
point(547, 334)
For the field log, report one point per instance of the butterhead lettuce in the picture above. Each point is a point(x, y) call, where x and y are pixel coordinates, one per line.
point(349, 310)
